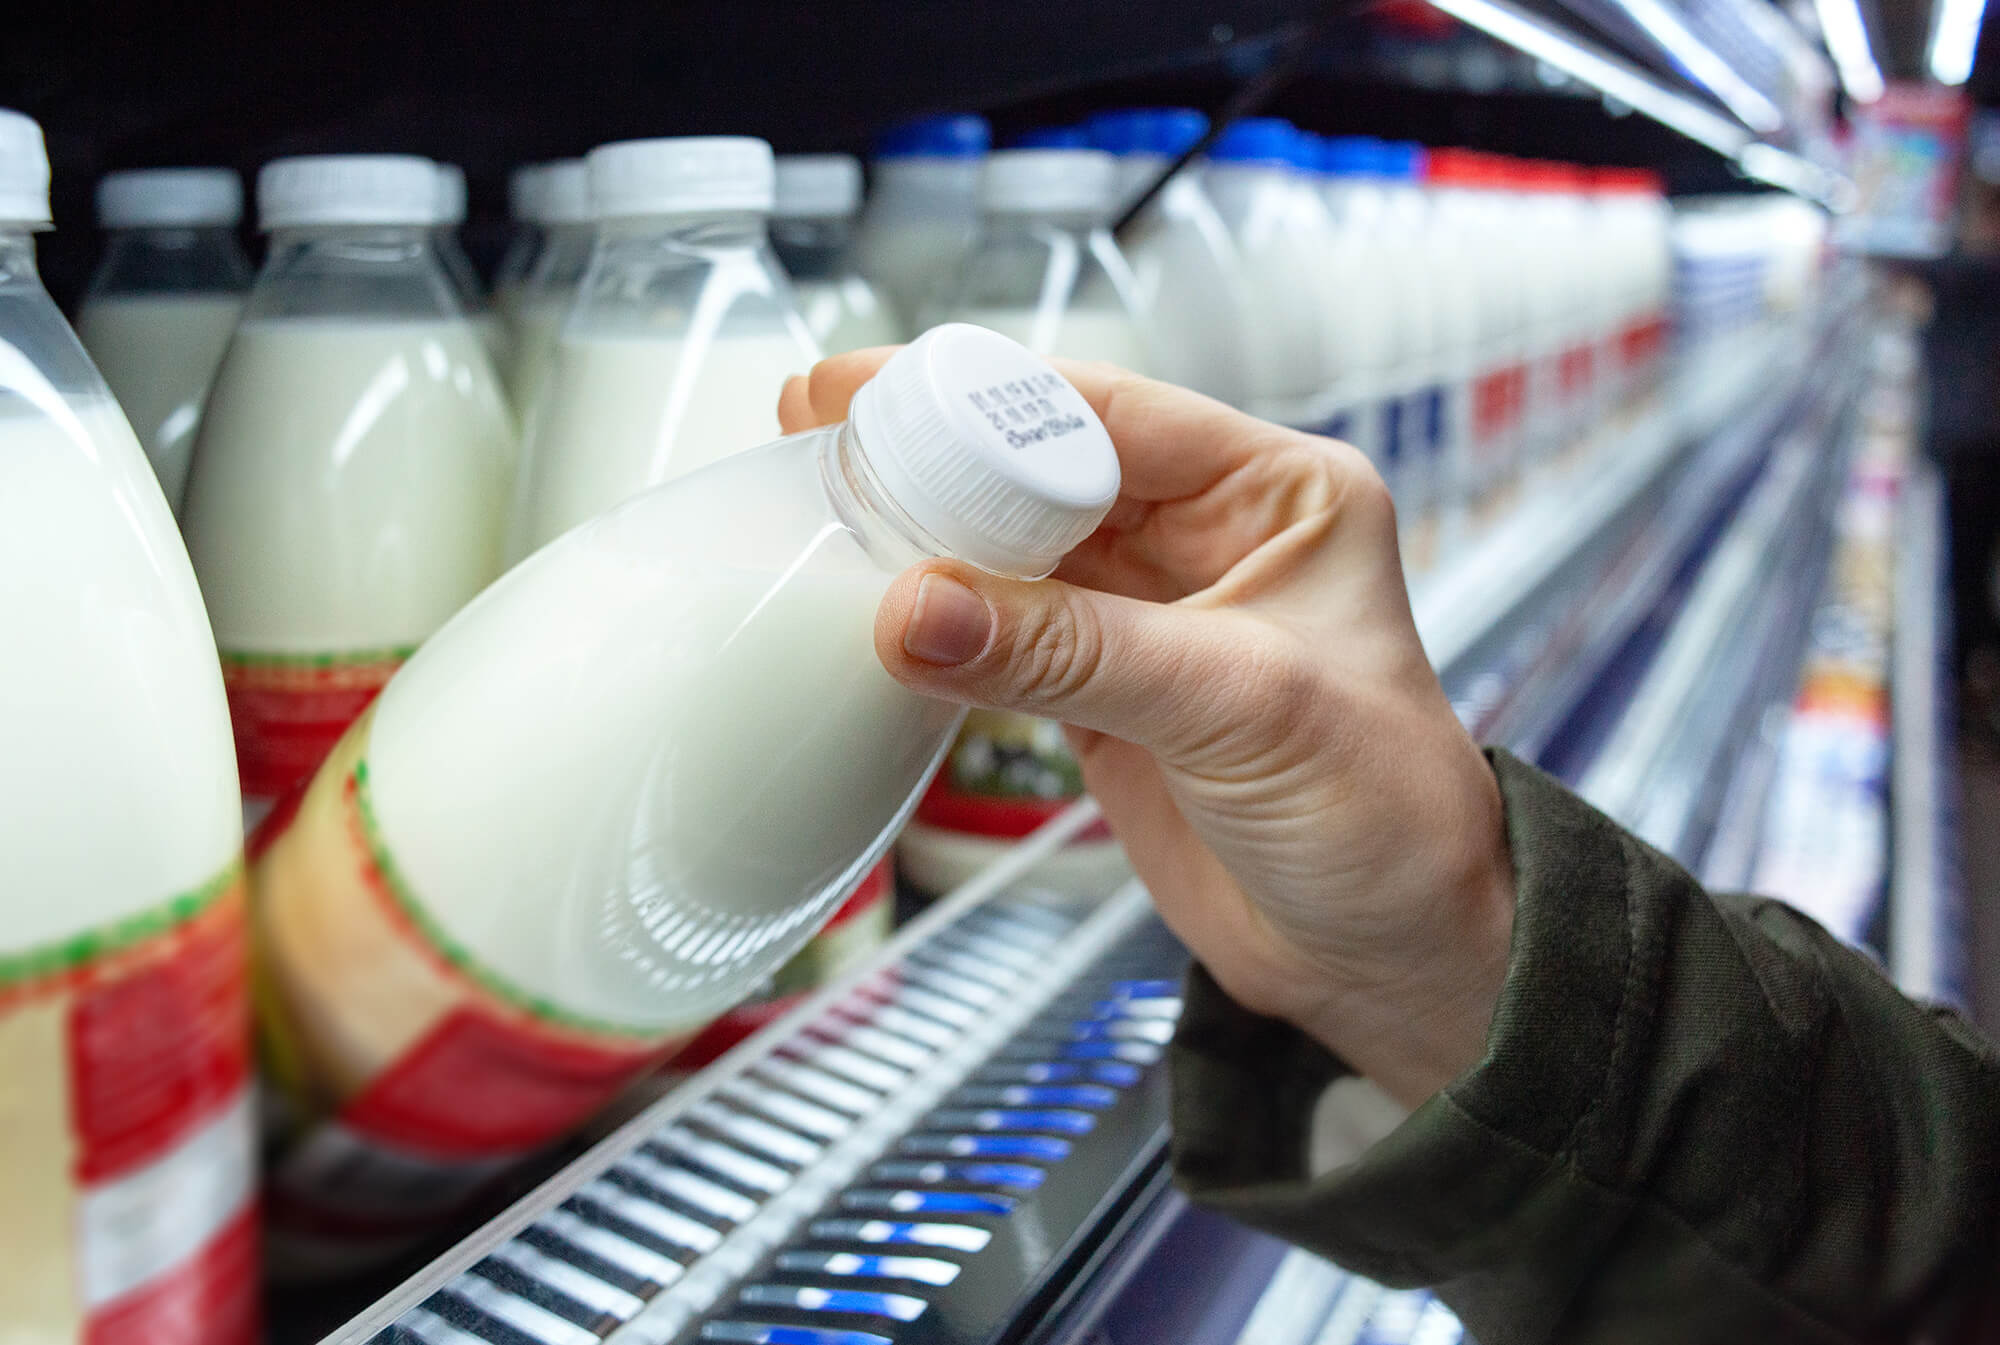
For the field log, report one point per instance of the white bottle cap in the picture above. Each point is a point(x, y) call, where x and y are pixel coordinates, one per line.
point(566, 193)
point(24, 170)
point(680, 175)
point(169, 198)
point(451, 195)
point(818, 185)
point(987, 448)
point(317, 189)
point(1067, 181)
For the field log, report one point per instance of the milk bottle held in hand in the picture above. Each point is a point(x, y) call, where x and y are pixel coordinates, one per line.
point(1188, 279)
point(353, 464)
point(679, 341)
point(923, 206)
point(164, 301)
point(127, 1174)
point(629, 781)
point(549, 289)
point(527, 234)
point(812, 227)
point(458, 267)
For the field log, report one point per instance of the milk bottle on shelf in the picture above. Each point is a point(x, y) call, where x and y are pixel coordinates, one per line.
point(1187, 277)
point(629, 781)
point(163, 302)
point(1369, 335)
point(1283, 235)
point(922, 209)
point(528, 231)
point(352, 471)
point(680, 340)
point(1413, 408)
point(458, 267)
point(127, 1152)
point(812, 229)
point(549, 290)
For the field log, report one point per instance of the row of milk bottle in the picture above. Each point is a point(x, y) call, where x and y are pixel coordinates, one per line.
point(603, 799)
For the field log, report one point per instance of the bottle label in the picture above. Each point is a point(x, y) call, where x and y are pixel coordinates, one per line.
point(1007, 774)
point(289, 710)
point(1575, 371)
point(406, 1074)
point(127, 1144)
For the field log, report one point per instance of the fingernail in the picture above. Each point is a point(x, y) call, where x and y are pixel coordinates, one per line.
point(950, 624)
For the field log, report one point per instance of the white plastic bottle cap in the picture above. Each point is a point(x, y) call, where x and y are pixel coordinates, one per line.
point(170, 198)
point(817, 185)
point(680, 175)
point(1069, 181)
point(24, 170)
point(451, 195)
point(987, 448)
point(566, 193)
point(320, 189)
point(527, 194)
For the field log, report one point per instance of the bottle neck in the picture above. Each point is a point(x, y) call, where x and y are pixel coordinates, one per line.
point(387, 271)
point(919, 179)
point(812, 247)
point(17, 256)
point(893, 539)
point(1078, 222)
point(698, 229)
point(177, 259)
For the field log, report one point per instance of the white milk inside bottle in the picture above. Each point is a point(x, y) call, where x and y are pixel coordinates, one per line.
point(1368, 336)
point(632, 778)
point(164, 300)
point(127, 1158)
point(1188, 279)
point(922, 208)
point(1413, 405)
point(353, 466)
point(812, 228)
point(458, 268)
point(678, 344)
point(549, 290)
point(527, 234)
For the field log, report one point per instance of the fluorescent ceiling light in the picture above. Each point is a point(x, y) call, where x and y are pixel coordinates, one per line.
point(1955, 38)
point(1701, 62)
point(1607, 74)
point(1847, 39)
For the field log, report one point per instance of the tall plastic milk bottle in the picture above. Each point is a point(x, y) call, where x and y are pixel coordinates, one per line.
point(458, 268)
point(127, 1148)
point(1369, 336)
point(527, 234)
point(680, 340)
point(1412, 433)
point(632, 779)
point(922, 209)
point(549, 290)
point(353, 466)
point(1188, 278)
point(1045, 271)
point(812, 230)
point(164, 301)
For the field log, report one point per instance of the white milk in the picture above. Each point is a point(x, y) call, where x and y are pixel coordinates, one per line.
point(350, 484)
point(617, 414)
point(536, 327)
point(159, 353)
point(845, 314)
point(1075, 333)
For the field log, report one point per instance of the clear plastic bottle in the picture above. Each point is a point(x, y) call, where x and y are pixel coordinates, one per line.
point(812, 229)
point(127, 1148)
point(527, 235)
point(633, 777)
point(680, 339)
point(352, 472)
point(163, 302)
point(549, 290)
point(458, 267)
point(1368, 335)
point(922, 209)
point(1412, 429)
point(1188, 279)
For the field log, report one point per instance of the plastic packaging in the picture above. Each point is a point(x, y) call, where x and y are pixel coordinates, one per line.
point(812, 229)
point(458, 267)
point(527, 234)
point(353, 466)
point(679, 341)
point(922, 208)
point(631, 780)
point(162, 305)
point(548, 291)
point(127, 1158)
point(1187, 277)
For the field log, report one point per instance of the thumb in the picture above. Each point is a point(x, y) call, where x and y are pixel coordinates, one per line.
point(1146, 672)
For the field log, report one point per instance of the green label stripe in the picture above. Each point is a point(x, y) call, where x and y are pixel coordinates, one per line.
point(461, 958)
point(66, 955)
point(351, 659)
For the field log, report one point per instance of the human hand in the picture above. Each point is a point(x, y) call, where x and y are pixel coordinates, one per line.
point(1252, 708)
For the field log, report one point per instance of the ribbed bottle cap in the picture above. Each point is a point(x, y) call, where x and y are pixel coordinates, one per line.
point(24, 170)
point(680, 175)
point(565, 193)
point(169, 198)
point(1068, 180)
point(451, 195)
point(321, 189)
point(987, 448)
point(817, 185)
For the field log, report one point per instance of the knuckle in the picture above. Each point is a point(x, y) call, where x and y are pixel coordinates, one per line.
point(1055, 654)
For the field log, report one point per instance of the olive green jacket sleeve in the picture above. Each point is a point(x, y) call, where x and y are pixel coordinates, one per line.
point(1699, 1118)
